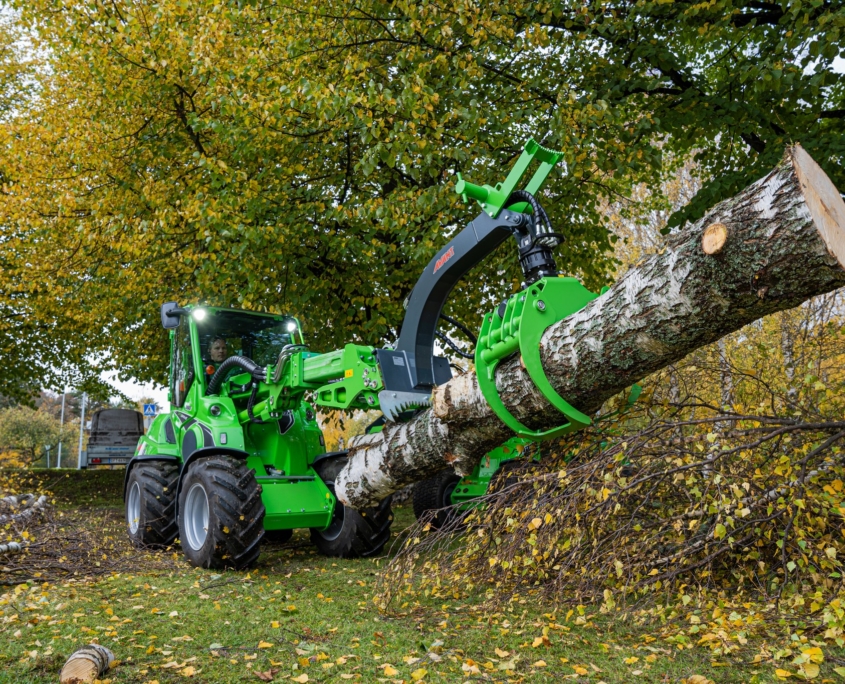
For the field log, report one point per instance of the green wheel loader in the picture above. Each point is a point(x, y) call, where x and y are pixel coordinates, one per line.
point(240, 457)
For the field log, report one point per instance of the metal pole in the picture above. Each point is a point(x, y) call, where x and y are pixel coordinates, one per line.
point(81, 428)
point(48, 457)
point(61, 429)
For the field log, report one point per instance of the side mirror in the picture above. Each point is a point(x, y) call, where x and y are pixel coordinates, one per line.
point(170, 314)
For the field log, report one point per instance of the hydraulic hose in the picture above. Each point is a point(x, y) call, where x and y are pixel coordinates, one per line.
point(250, 404)
point(258, 373)
point(544, 233)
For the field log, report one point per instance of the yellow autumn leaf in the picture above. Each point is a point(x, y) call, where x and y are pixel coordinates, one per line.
point(301, 679)
point(188, 671)
point(502, 654)
point(631, 660)
point(417, 675)
point(390, 671)
point(470, 667)
point(265, 644)
point(810, 670)
point(782, 674)
point(579, 670)
point(539, 663)
point(814, 653)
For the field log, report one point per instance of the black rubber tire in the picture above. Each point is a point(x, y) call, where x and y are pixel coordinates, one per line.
point(235, 513)
point(156, 486)
point(277, 536)
point(435, 494)
point(352, 534)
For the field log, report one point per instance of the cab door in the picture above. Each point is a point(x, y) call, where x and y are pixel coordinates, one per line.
point(183, 387)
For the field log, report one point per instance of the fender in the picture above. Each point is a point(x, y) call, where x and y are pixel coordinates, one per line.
point(330, 454)
point(137, 459)
point(199, 453)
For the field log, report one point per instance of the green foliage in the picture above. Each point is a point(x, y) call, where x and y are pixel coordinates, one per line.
point(299, 158)
point(27, 432)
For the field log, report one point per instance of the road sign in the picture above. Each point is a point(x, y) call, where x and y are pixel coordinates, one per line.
point(150, 410)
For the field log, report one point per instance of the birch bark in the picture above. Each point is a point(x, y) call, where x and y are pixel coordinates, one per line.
point(785, 243)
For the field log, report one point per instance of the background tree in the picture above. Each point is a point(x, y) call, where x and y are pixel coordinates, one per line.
point(27, 432)
point(299, 157)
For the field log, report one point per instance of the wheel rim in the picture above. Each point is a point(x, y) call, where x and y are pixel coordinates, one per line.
point(133, 508)
point(195, 516)
point(334, 529)
point(447, 494)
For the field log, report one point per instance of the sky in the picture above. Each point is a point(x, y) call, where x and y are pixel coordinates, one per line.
point(139, 390)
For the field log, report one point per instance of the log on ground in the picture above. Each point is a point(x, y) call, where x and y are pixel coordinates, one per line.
point(781, 242)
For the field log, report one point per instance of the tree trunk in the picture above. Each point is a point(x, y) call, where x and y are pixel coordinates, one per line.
point(783, 242)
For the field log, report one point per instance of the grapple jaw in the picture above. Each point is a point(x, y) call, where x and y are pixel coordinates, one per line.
point(392, 403)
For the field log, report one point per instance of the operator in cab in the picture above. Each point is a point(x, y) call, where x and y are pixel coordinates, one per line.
point(217, 353)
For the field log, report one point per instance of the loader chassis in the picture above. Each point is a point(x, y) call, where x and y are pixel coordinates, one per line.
point(240, 456)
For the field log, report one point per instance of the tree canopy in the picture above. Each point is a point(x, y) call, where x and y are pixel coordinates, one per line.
point(300, 157)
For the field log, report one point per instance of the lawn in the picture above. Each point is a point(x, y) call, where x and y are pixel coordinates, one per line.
point(300, 617)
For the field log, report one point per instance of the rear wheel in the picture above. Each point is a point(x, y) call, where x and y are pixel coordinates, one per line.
point(435, 494)
point(151, 503)
point(278, 536)
point(221, 517)
point(510, 473)
point(351, 533)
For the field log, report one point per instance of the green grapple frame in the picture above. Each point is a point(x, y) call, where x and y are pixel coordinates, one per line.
point(255, 423)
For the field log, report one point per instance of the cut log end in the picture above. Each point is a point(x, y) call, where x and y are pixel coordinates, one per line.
point(823, 201)
point(714, 238)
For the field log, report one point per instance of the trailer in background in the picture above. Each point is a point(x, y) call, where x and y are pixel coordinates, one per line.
point(113, 438)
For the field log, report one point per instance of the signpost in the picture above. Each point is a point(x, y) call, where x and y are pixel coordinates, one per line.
point(150, 411)
point(81, 429)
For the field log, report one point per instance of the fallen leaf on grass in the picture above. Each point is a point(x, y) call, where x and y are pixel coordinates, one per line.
point(782, 674)
point(389, 670)
point(189, 671)
point(539, 663)
point(301, 679)
point(470, 667)
point(501, 653)
point(417, 675)
point(266, 676)
point(810, 670)
point(265, 644)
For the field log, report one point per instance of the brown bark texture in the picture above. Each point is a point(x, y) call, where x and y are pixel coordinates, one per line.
point(785, 244)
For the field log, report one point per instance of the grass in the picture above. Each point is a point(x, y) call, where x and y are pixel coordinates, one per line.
point(301, 617)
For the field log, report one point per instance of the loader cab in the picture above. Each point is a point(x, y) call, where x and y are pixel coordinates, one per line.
point(259, 337)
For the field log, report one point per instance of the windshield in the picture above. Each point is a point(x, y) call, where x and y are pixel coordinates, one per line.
point(236, 333)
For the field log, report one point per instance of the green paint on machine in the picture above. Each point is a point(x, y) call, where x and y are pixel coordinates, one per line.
point(241, 459)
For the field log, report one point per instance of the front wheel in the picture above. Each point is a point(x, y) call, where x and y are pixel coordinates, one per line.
point(351, 533)
point(151, 503)
point(221, 517)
